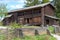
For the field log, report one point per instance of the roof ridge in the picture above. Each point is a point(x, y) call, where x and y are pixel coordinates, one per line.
point(40, 5)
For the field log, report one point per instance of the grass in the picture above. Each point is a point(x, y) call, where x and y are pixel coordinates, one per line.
point(2, 37)
point(38, 37)
point(15, 25)
point(1, 23)
point(30, 26)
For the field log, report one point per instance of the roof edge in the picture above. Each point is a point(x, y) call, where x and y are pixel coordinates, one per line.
point(41, 5)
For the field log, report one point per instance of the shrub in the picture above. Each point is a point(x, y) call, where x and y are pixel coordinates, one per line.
point(51, 29)
point(15, 25)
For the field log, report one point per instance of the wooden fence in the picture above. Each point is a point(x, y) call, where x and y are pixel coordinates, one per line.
point(20, 32)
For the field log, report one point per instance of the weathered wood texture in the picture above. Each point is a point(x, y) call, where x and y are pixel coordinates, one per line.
point(34, 16)
point(30, 31)
point(49, 10)
point(42, 16)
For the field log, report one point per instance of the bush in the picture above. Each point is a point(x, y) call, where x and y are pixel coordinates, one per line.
point(15, 25)
point(51, 29)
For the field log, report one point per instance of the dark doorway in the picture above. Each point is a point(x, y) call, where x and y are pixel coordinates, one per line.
point(47, 21)
point(27, 20)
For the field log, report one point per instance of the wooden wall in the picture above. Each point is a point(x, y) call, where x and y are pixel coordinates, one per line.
point(37, 19)
point(49, 10)
point(35, 15)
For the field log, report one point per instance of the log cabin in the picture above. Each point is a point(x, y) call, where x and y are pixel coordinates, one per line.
point(39, 15)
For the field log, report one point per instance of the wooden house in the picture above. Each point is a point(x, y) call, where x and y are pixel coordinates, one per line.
point(43, 14)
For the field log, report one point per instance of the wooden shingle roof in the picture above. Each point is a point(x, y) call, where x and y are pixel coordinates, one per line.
point(36, 6)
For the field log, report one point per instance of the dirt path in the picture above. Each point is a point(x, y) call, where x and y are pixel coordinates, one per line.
point(56, 36)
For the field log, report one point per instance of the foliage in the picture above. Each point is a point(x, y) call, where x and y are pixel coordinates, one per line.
point(31, 3)
point(34, 2)
point(2, 37)
point(51, 28)
point(38, 37)
point(16, 39)
point(52, 38)
point(57, 5)
point(45, 1)
point(15, 25)
point(3, 10)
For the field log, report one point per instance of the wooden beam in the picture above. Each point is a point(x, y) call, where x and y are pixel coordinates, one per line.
point(15, 17)
point(42, 16)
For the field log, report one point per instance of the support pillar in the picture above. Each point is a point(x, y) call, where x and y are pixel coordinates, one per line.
point(15, 17)
point(42, 16)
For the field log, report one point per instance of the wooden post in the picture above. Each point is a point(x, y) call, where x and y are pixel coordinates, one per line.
point(20, 33)
point(15, 17)
point(36, 32)
point(42, 16)
point(48, 32)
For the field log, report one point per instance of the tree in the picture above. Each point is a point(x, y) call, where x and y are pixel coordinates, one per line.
point(45, 1)
point(3, 10)
point(32, 3)
point(57, 5)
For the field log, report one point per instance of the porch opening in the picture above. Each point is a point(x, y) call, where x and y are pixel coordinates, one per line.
point(27, 20)
point(47, 21)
